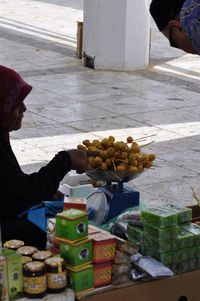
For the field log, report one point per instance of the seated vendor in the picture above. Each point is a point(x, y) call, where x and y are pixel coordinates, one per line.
point(20, 191)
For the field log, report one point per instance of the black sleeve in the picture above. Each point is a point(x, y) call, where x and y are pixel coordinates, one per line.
point(20, 191)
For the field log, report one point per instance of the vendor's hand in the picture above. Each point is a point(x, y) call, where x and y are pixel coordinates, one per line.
point(79, 160)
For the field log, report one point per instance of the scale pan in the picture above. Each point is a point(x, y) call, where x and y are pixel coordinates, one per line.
point(112, 176)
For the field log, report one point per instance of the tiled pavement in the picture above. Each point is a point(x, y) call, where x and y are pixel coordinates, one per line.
point(70, 103)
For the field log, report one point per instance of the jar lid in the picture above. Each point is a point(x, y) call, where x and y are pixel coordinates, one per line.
point(13, 244)
point(42, 255)
point(34, 266)
point(26, 259)
point(27, 250)
point(54, 261)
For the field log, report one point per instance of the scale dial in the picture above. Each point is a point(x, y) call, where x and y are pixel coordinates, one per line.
point(98, 202)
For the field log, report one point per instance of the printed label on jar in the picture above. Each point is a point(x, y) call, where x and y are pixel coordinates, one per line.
point(35, 285)
point(56, 280)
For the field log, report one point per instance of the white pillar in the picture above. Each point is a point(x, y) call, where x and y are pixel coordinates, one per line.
point(116, 34)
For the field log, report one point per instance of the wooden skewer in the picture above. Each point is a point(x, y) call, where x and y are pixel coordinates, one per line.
point(195, 196)
point(114, 165)
point(147, 144)
point(153, 135)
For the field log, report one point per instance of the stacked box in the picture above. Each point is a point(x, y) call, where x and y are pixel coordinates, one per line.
point(159, 217)
point(184, 214)
point(78, 254)
point(136, 235)
point(76, 248)
point(103, 245)
point(170, 237)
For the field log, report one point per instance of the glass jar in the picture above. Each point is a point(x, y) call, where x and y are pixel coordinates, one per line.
point(26, 259)
point(56, 274)
point(27, 250)
point(35, 284)
point(13, 244)
point(42, 255)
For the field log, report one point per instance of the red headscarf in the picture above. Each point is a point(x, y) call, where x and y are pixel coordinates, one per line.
point(13, 90)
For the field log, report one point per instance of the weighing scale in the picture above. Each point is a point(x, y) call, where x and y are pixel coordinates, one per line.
point(113, 198)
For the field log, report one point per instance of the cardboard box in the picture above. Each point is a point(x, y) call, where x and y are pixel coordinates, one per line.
point(178, 288)
point(72, 225)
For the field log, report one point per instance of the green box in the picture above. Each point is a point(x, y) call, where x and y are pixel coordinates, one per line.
point(14, 273)
point(81, 279)
point(135, 234)
point(72, 225)
point(194, 229)
point(187, 254)
point(185, 239)
point(169, 233)
point(159, 245)
point(184, 213)
point(187, 266)
point(76, 254)
point(167, 259)
point(159, 217)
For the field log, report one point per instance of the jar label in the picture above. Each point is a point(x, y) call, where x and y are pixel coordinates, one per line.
point(56, 280)
point(35, 285)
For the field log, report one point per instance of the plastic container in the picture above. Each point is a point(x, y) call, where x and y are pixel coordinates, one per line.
point(77, 254)
point(35, 284)
point(72, 225)
point(159, 217)
point(56, 274)
point(103, 245)
point(169, 233)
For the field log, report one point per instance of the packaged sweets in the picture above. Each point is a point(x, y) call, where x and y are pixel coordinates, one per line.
point(160, 245)
point(168, 233)
point(77, 254)
point(135, 234)
point(187, 254)
point(159, 217)
point(120, 279)
point(35, 284)
point(56, 274)
point(187, 266)
point(72, 225)
point(184, 213)
point(167, 259)
point(194, 229)
point(102, 274)
point(120, 269)
point(3, 280)
point(126, 246)
point(185, 239)
point(121, 257)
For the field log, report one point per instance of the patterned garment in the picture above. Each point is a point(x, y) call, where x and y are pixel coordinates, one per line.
point(190, 20)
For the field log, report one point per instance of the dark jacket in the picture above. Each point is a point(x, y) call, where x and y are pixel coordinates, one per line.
point(19, 191)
